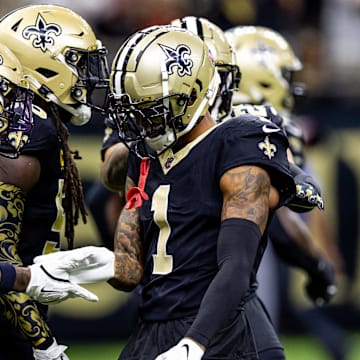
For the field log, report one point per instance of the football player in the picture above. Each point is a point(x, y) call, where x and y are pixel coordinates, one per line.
point(193, 221)
point(63, 63)
point(235, 100)
point(269, 65)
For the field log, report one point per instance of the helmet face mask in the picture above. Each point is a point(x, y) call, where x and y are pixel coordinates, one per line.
point(92, 70)
point(154, 120)
point(17, 108)
point(62, 59)
point(166, 96)
point(230, 77)
point(16, 121)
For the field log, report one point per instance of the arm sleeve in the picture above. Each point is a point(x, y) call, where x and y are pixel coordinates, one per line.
point(237, 247)
point(19, 309)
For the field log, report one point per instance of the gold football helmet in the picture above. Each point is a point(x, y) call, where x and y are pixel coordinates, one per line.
point(267, 64)
point(163, 77)
point(16, 120)
point(62, 59)
point(224, 56)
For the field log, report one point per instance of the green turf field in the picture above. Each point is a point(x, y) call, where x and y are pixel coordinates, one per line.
point(297, 348)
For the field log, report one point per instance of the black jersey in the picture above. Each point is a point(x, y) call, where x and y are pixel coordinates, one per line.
point(43, 214)
point(181, 221)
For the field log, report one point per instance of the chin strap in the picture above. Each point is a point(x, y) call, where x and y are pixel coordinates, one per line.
point(137, 194)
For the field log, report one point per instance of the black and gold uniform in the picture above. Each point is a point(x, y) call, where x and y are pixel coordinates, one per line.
point(32, 227)
point(180, 227)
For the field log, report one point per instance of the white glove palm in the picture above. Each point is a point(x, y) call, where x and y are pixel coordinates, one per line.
point(54, 352)
point(49, 283)
point(186, 349)
point(85, 265)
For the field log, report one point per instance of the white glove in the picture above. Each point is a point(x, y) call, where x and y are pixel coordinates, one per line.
point(87, 264)
point(49, 284)
point(186, 349)
point(54, 352)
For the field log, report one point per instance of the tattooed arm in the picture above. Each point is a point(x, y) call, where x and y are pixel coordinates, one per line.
point(247, 198)
point(121, 268)
point(248, 194)
point(129, 262)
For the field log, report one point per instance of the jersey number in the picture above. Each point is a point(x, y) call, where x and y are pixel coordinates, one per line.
point(163, 263)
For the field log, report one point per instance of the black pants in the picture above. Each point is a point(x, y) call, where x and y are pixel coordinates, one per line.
point(249, 336)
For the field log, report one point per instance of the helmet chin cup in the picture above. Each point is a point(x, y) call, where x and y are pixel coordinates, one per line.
point(81, 116)
point(161, 142)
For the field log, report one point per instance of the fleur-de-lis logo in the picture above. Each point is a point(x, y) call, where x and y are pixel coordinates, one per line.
point(18, 139)
point(178, 58)
point(267, 148)
point(44, 33)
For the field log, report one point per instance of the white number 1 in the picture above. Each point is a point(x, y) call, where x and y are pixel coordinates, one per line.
point(163, 263)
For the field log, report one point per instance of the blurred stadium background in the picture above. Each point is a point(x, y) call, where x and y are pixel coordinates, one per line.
point(324, 36)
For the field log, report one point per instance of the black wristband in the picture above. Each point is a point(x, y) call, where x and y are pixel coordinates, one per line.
point(8, 277)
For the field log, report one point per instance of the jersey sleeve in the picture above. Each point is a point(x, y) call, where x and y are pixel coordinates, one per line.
point(249, 140)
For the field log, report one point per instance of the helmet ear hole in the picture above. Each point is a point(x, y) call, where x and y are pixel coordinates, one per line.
point(193, 97)
point(47, 73)
point(265, 85)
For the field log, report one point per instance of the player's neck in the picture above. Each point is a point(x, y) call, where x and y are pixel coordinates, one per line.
point(205, 124)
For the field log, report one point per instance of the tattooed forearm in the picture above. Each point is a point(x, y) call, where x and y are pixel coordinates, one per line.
point(246, 194)
point(128, 251)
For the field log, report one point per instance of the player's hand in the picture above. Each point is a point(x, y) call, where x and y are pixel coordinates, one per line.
point(53, 352)
point(87, 264)
point(321, 286)
point(186, 349)
point(49, 284)
point(306, 198)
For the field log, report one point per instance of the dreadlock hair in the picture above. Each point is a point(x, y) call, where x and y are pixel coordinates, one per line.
point(73, 204)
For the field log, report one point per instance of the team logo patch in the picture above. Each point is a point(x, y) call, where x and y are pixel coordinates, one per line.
point(44, 33)
point(178, 58)
point(267, 148)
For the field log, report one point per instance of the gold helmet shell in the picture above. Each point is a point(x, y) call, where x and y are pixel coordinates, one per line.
point(267, 63)
point(59, 51)
point(224, 56)
point(167, 77)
